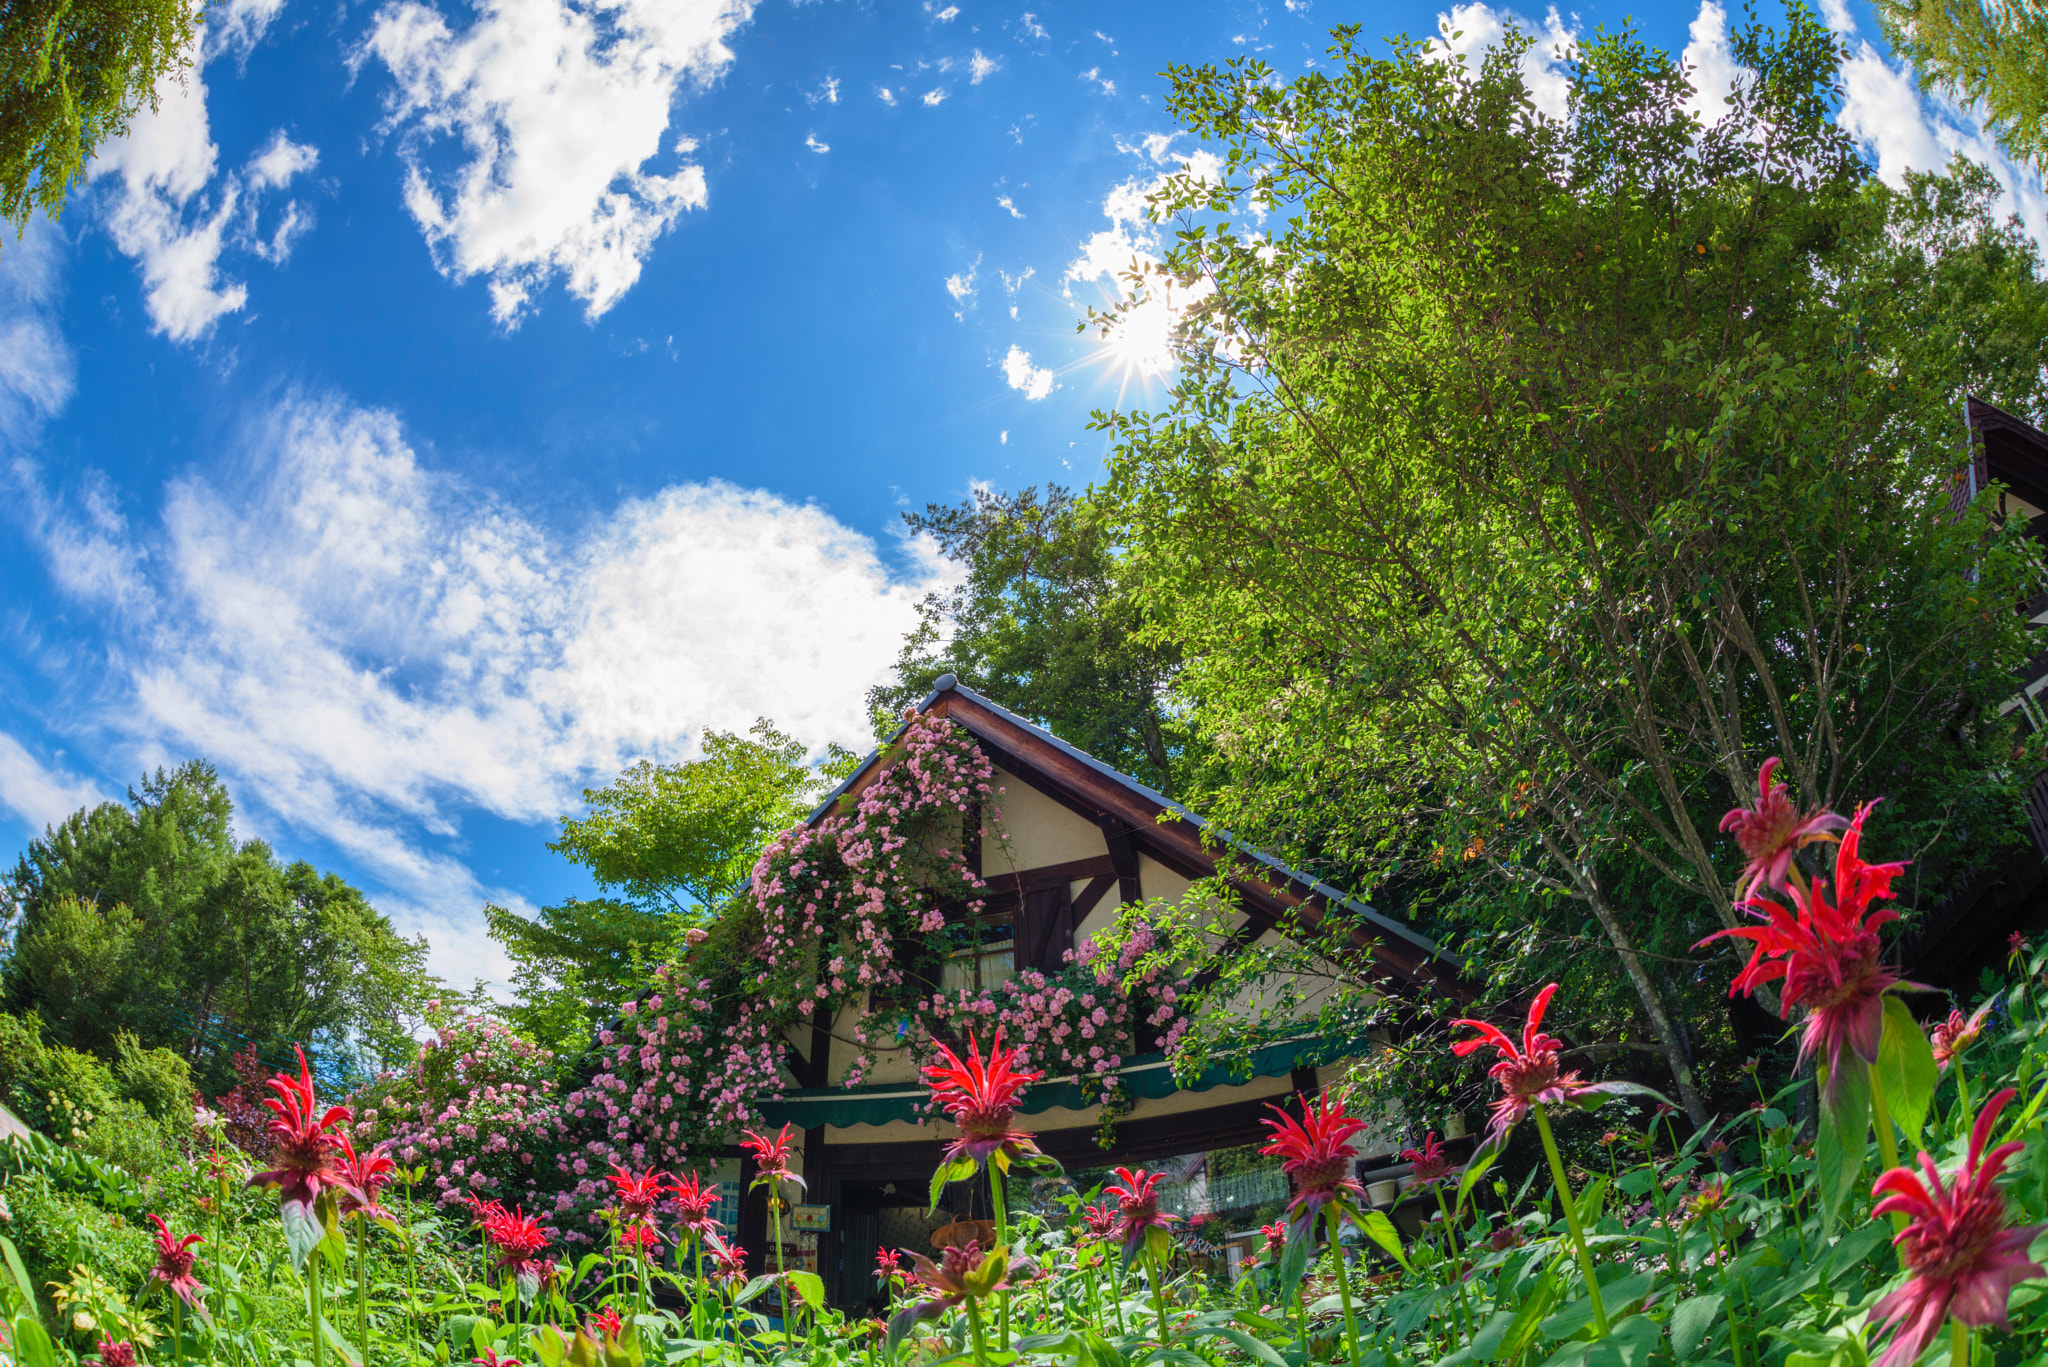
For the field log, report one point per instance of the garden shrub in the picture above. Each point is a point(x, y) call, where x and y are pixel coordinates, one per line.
point(156, 1079)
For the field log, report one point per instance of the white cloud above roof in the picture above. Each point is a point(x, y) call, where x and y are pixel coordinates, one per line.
point(560, 107)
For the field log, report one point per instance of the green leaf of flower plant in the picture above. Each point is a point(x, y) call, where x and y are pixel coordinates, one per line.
point(1690, 1323)
point(1482, 1159)
point(1905, 1062)
point(1381, 1231)
point(1844, 1131)
point(811, 1287)
point(32, 1344)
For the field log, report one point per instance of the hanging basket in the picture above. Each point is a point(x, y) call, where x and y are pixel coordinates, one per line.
point(963, 1232)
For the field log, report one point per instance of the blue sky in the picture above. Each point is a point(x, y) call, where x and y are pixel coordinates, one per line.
point(436, 406)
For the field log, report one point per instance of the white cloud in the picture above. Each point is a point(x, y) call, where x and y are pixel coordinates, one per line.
point(811, 141)
point(944, 16)
point(1010, 204)
point(38, 370)
point(933, 97)
point(827, 93)
point(1004, 439)
point(276, 165)
point(561, 107)
point(236, 26)
point(1035, 381)
point(1470, 30)
point(960, 284)
point(40, 794)
point(1094, 73)
point(979, 67)
point(1031, 28)
point(373, 650)
point(888, 95)
point(1711, 65)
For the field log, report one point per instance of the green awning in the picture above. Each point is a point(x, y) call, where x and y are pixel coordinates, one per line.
point(1144, 1077)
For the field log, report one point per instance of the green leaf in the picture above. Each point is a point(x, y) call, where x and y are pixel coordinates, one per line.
point(1690, 1323)
point(1629, 1343)
point(1593, 1200)
point(959, 1170)
point(1613, 1296)
point(1529, 1318)
point(32, 1343)
point(810, 1287)
point(1905, 1063)
point(1381, 1231)
point(1844, 1131)
point(1482, 1159)
point(19, 1273)
point(1245, 1343)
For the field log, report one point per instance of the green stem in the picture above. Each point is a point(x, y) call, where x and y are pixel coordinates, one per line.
point(1465, 1317)
point(1887, 1146)
point(1571, 1219)
point(974, 1328)
point(1158, 1297)
point(1962, 1093)
point(313, 1296)
point(781, 1271)
point(1343, 1284)
point(1958, 1344)
point(177, 1329)
point(362, 1290)
point(999, 1198)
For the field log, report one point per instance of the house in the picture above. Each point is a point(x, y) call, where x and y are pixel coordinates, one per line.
point(1967, 931)
point(1077, 840)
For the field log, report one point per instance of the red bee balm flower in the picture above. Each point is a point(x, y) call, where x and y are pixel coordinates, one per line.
point(117, 1354)
point(1101, 1221)
point(304, 1136)
point(1276, 1235)
point(1963, 1259)
point(694, 1201)
point(981, 1096)
point(1430, 1163)
point(638, 1193)
point(1137, 1209)
point(963, 1273)
point(608, 1323)
point(516, 1239)
point(730, 1260)
point(771, 1156)
point(1770, 832)
point(1954, 1036)
point(364, 1177)
point(1529, 1076)
point(638, 1237)
point(1318, 1153)
point(174, 1259)
point(889, 1267)
point(1827, 955)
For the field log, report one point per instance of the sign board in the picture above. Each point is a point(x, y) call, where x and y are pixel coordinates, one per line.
point(810, 1217)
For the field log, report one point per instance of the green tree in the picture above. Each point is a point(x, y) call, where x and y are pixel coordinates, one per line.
point(669, 844)
point(1989, 53)
point(1529, 481)
point(1045, 624)
point(149, 918)
point(72, 74)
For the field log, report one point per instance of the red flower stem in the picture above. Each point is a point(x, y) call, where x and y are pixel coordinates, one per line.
point(1571, 1218)
point(1887, 1146)
point(1343, 1283)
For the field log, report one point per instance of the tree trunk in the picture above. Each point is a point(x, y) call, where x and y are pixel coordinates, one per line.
point(1653, 1006)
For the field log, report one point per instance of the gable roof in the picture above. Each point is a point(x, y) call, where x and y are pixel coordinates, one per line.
point(1137, 819)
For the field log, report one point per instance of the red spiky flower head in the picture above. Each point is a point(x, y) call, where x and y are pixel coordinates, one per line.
point(517, 1242)
point(120, 1354)
point(638, 1193)
point(1317, 1153)
point(963, 1273)
point(1963, 1259)
point(363, 1178)
point(1137, 1212)
point(694, 1201)
point(1954, 1036)
point(637, 1237)
point(728, 1260)
point(1531, 1075)
point(981, 1096)
point(1772, 831)
point(174, 1259)
point(1101, 1221)
point(1826, 951)
point(1430, 1163)
point(771, 1156)
point(305, 1136)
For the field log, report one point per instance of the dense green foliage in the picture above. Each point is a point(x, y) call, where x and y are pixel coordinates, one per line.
point(1992, 54)
point(669, 844)
point(1528, 482)
point(150, 918)
point(1046, 623)
point(72, 74)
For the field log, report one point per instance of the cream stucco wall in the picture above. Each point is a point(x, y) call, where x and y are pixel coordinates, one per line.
point(1038, 831)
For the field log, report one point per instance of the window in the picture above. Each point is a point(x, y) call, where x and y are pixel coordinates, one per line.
point(984, 964)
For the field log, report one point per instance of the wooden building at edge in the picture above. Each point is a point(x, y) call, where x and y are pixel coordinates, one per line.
point(1079, 840)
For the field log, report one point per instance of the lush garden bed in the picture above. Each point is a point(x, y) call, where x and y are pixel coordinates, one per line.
point(1757, 1241)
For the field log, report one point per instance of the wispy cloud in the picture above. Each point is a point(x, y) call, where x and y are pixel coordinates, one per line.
point(1035, 382)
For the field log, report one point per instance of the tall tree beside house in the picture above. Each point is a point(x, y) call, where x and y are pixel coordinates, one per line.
point(73, 73)
point(1528, 482)
point(150, 917)
point(1992, 54)
point(1043, 621)
point(666, 844)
